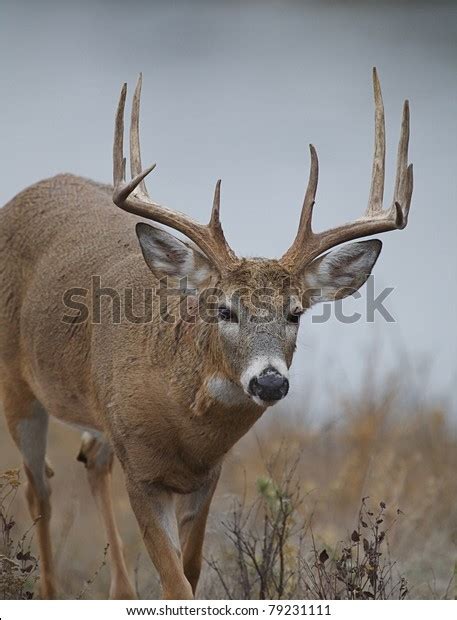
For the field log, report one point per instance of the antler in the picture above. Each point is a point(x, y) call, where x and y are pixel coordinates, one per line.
point(132, 196)
point(308, 244)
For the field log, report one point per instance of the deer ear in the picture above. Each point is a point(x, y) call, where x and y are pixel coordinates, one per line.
point(341, 272)
point(166, 255)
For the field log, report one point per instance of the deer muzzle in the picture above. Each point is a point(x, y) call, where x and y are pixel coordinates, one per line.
point(269, 386)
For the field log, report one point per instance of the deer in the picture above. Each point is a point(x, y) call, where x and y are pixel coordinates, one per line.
point(167, 398)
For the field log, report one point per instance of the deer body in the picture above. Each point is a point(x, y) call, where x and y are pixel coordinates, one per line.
point(169, 396)
point(165, 433)
point(83, 380)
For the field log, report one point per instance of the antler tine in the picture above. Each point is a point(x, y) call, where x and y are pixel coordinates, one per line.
point(379, 157)
point(402, 153)
point(404, 176)
point(310, 196)
point(135, 151)
point(118, 147)
point(308, 245)
point(132, 196)
point(304, 232)
point(215, 220)
point(215, 225)
point(121, 188)
point(304, 226)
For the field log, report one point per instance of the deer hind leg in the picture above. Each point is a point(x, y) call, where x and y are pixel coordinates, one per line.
point(97, 455)
point(192, 512)
point(28, 424)
point(154, 508)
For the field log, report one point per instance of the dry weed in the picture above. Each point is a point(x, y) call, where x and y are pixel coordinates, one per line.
point(18, 567)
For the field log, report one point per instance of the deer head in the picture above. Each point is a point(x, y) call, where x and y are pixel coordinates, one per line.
point(256, 339)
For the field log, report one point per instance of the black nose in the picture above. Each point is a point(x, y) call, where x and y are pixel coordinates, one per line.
point(269, 386)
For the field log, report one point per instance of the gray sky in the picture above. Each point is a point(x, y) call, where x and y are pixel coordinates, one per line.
point(237, 90)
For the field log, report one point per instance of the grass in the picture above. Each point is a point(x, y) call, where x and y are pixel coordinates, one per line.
point(362, 507)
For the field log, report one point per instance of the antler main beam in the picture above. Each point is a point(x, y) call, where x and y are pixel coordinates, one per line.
point(308, 244)
point(132, 196)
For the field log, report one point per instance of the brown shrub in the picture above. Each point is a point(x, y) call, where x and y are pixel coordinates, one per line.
point(270, 551)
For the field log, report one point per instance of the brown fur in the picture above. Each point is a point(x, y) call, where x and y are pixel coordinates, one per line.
point(143, 386)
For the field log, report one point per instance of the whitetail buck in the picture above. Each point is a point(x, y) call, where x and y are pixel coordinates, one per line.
point(168, 397)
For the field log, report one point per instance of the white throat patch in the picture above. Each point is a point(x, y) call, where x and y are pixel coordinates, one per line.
point(226, 392)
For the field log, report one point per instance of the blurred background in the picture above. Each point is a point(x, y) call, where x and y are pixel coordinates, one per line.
point(237, 90)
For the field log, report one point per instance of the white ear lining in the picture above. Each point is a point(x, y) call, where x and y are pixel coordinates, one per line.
point(340, 272)
point(167, 255)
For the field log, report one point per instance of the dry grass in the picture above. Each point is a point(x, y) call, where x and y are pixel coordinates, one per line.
point(380, 445)
point(18, 567)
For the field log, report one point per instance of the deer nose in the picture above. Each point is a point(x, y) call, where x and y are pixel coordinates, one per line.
point(269, 386)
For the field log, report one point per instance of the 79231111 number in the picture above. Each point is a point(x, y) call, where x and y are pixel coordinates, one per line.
point(300, 610)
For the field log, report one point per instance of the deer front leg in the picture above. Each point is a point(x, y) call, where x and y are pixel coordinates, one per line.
point(154, 509)
point(192, 512)
point(97, 456)
point(28, 424)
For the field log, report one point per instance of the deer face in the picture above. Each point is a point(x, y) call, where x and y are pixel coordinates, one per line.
point(258, 317)
point(261, 305)
point(256, 304)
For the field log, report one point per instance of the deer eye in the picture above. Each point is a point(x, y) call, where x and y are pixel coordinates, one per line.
point(227, 315)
